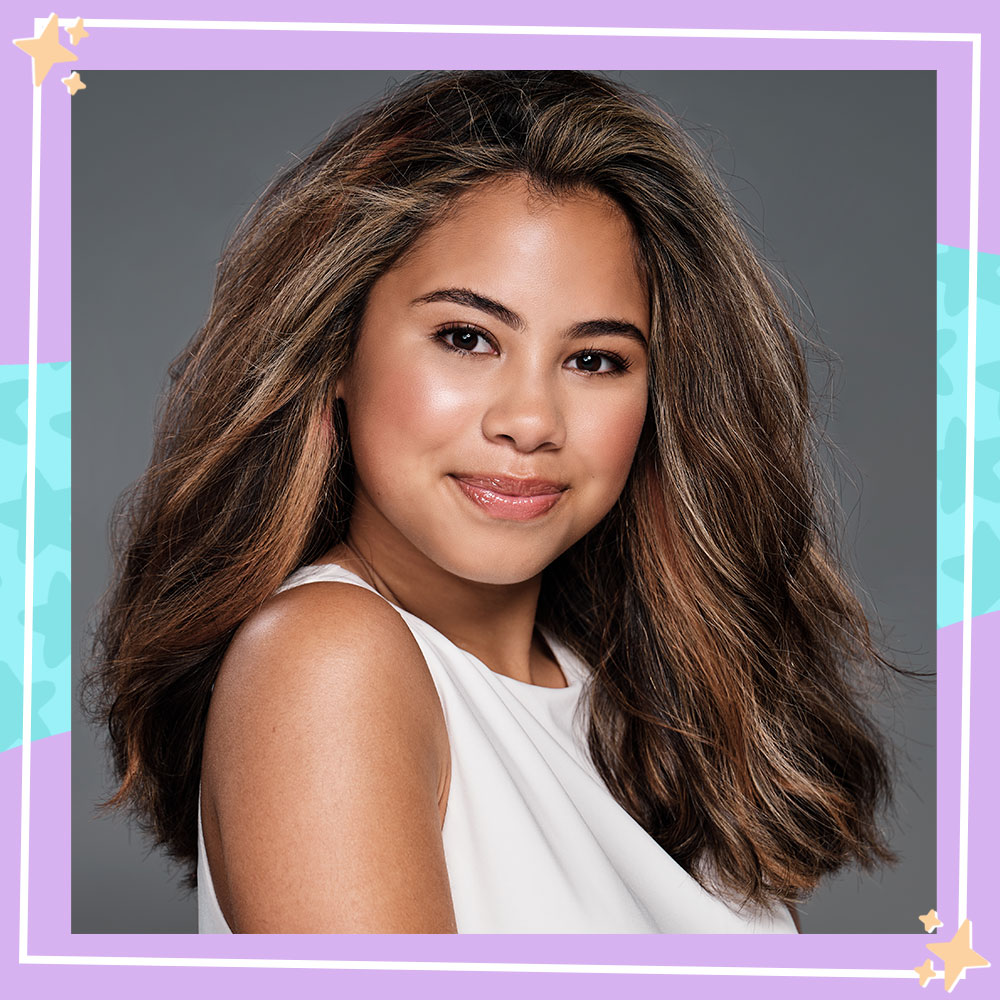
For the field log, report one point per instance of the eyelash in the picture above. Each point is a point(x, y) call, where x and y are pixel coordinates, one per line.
point(621, 364)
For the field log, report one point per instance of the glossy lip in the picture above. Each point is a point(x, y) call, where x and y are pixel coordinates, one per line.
point(511, 499)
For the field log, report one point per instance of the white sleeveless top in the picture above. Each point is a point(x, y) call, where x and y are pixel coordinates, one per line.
point(533, 840)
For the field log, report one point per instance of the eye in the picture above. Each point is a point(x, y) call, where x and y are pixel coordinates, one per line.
point(599, 363)
point(465, 340)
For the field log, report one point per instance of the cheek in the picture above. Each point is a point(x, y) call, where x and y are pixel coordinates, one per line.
point(404, 410)
point(608, 435)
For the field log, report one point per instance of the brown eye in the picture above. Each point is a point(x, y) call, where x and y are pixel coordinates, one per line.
point(598, 363)
point(465, 340)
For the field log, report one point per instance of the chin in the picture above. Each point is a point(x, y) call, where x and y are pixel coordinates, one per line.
point(499, 564)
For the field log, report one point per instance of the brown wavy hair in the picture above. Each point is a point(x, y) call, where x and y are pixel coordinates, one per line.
point(728, 653)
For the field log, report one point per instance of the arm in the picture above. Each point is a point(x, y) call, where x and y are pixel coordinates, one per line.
point(326, 763)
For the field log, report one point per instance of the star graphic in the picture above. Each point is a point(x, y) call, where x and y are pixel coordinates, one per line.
point(987, 484)
point(13, 395)
point(45, 50)
point(50, 621)
point(989, 375)
point(52, 517)
point(945, 342)
point(989, 282)
point(951, 467)
point(60, 423)
point(958, 955)
point(926, 972)
point(11, 695)
point(930, 921)
point(955, 271)
point(73, 83)
point(77, 31)
point(986, 570)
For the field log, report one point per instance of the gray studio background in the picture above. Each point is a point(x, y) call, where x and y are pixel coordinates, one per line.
point(835, 172)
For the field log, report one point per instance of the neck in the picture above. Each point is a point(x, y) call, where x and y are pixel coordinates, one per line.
point(494, 622)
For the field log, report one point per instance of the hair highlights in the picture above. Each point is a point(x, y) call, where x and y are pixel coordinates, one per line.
point(725, 713)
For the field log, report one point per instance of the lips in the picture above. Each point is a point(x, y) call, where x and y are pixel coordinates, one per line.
point(511, 499)
point(512, 487)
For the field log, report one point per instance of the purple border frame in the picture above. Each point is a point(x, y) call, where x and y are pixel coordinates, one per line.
point(242, 49)
point(49, 924)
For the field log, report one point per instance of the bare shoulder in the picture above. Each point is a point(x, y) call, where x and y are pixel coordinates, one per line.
point(319, 611)
point(325, 770)
point(321, 652)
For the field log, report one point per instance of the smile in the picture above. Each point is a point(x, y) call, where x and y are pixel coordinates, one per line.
point(511, 499)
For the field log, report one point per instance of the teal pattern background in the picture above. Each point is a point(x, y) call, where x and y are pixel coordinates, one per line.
point(952, 344)
point(51, 694)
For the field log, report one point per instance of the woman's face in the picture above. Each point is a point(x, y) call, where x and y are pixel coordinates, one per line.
point(499, 387)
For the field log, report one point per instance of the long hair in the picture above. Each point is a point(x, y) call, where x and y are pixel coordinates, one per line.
point(727, 650)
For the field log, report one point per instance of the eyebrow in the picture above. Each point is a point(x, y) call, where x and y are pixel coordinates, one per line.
point(587, 328)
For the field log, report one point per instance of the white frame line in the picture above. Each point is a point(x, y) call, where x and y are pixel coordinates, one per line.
point(545, 967)
point(975, 123)
point(29, 534)
point(970, 458)
point(516, 29)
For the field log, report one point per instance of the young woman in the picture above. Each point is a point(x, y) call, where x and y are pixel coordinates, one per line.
point(479, 580)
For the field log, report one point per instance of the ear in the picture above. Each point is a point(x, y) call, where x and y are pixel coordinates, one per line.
point(342, 387)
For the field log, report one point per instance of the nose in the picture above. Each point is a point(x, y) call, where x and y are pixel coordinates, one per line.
point(526, 411)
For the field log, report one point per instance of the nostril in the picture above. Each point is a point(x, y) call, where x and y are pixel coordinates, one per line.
point(524, 413)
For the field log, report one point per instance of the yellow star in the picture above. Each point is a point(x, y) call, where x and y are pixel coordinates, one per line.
point(45, 49)
point(958, 955)
point(77, 31)
point(73, 83)
point(930, 920)
point(926, 972)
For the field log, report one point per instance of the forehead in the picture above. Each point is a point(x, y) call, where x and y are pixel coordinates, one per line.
point(506, 237)
point(508, 202)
